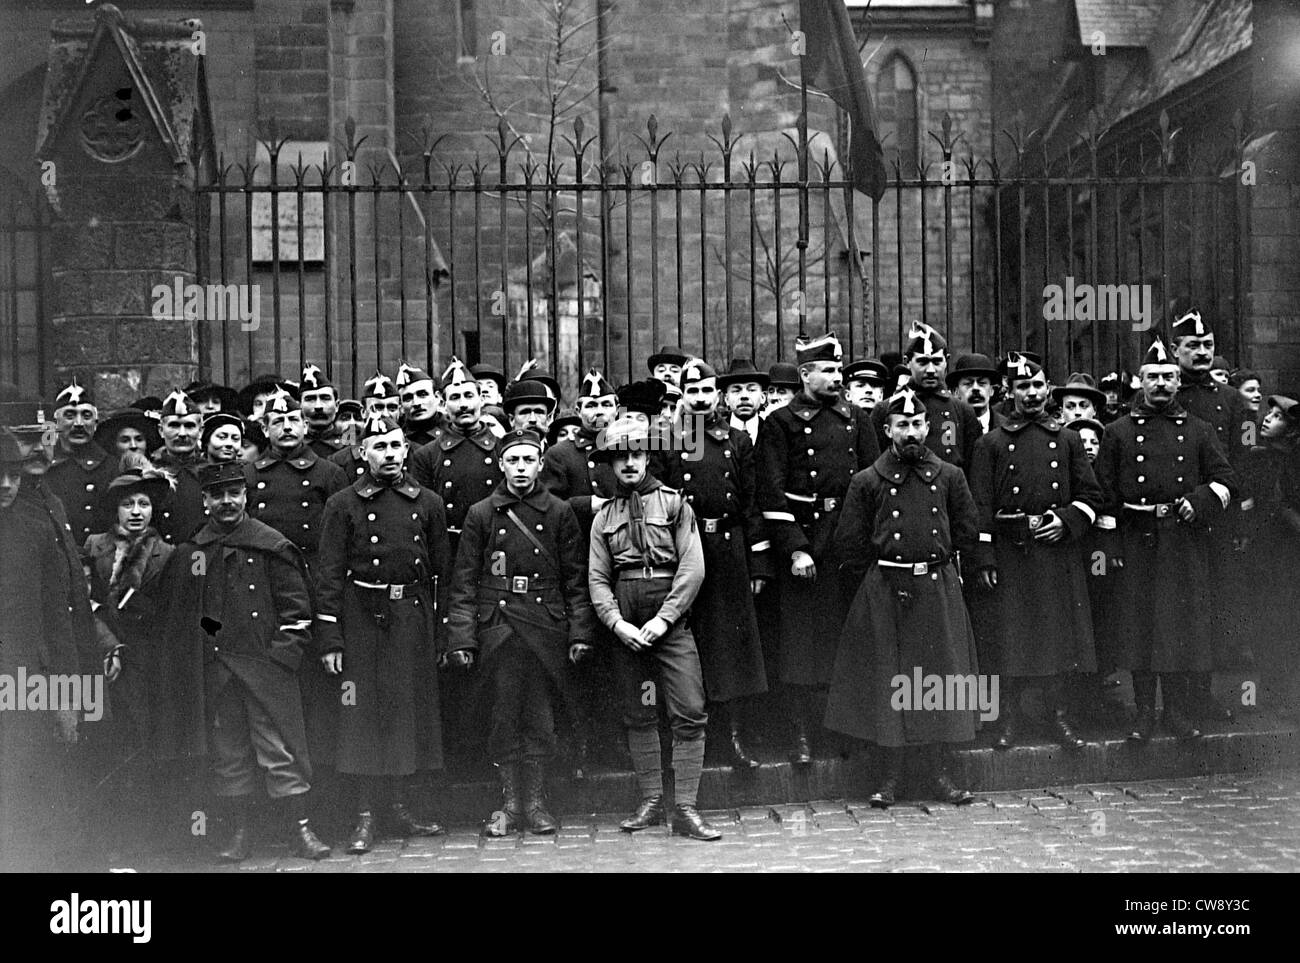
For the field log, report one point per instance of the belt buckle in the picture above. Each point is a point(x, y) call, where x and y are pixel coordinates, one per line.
point(1164, 511)
point(921, 568)
point(710, 526)
point(1035, 522)
point(519, 584)
point(830, 504)
point(395, 592)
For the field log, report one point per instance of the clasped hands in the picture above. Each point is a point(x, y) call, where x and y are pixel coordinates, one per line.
point(641, 639)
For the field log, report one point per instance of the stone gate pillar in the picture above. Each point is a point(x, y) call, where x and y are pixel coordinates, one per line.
point(125, 132)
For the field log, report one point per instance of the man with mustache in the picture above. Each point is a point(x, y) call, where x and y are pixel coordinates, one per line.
point(238, 626)
point(1165, 480)
point(971, 380)
point(570, 469)
point(459, 463)
point(383, 552)
point(808, 451)
point(421, 405)
point(527, 404)
point(320, 408)
point(181, 456)
point(519, 608)
point(645, 568)
point(80, 470)
point(712, 464)
point(1037, 497)
point(904, 519)
point(954, 426)
point(1201, 396)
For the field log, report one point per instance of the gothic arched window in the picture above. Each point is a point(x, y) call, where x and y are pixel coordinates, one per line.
point(896, 105)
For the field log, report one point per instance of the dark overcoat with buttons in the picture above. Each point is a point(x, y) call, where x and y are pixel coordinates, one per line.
point(182, 513)
point(388, 720)
point(327, 443)
point(807, 453)
point(1163, 599)
point(954, 426)
point(571, 471)
point(289, 494)
point(1223, 408)
point(715, 470)
point(1042, 620)
point(554, 611)
point(238, 608)
point(350, 460)
point(900, 621)
point(78, 478)
point(462, 469)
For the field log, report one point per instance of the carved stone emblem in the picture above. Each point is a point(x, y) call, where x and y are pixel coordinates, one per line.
point(111, 129)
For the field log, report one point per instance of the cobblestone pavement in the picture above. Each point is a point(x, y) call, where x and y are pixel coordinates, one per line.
point(1247, 823)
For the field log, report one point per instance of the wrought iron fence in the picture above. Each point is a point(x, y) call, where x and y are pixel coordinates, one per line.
point(24, 282)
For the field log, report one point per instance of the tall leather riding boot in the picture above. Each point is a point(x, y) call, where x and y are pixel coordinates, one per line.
point(235, 810)
point(539, 821)
point(1144, 694)
point(797, 707)
point(510, 816)
point(890, 762)
point(741, 759)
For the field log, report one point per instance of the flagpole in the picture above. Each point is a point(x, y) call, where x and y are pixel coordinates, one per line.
point(803, 200)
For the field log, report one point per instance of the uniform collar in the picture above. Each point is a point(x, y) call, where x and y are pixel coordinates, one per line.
point(302, 459)
point(89, 456)
point(367, 487)
point(806, 409)
point(1017, 422)
point(1174, 412)
point(718, 426)
point(503, 497)
point(942, 393)
point(894, 468)
point(450, 436)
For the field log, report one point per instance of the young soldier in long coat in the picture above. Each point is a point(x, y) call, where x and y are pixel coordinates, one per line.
point(238, 625)
point(1037, 497)
point(807, 452)
point(382, 548)
point(80, 470)
point(1165, 479)
point(1225, 411)
point(904, 519)
point(519, 608)
point(712, 464)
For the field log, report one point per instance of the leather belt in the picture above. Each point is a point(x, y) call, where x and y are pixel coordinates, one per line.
point(815, 502)
point(639, 572)
point(917, 568)
point(1161, 510)
point(394, 590)
point(518, 584)
point(1034, 521)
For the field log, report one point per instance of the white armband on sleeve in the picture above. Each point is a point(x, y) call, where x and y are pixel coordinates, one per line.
point(762, 546)
point(1086, 509)
point(779, 516)
point(1221, 490)
point(326, 618)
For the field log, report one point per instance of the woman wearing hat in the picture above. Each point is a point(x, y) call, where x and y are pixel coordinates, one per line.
point(125, 563)
point(222, 437)
point(129, 429)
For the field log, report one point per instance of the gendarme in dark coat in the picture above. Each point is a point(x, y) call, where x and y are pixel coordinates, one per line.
point(78, 478)
point(902, 513)
point(1042, 620)
point(807, 452)
point(394, 536)
point(289, 494)
point(460, 468)
point(954, 426)
point(251, 582)
point(716, 472)
point(1163, 603)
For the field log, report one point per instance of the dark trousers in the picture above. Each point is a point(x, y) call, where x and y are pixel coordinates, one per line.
point(244, 737)
point(522, 722)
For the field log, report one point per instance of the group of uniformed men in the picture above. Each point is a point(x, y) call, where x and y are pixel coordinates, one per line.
point(274, 577)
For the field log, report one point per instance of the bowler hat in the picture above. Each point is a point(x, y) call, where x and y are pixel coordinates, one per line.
point(742, 371)
point(972, 366)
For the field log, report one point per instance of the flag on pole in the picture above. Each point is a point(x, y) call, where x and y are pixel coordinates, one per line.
point(831, 64)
